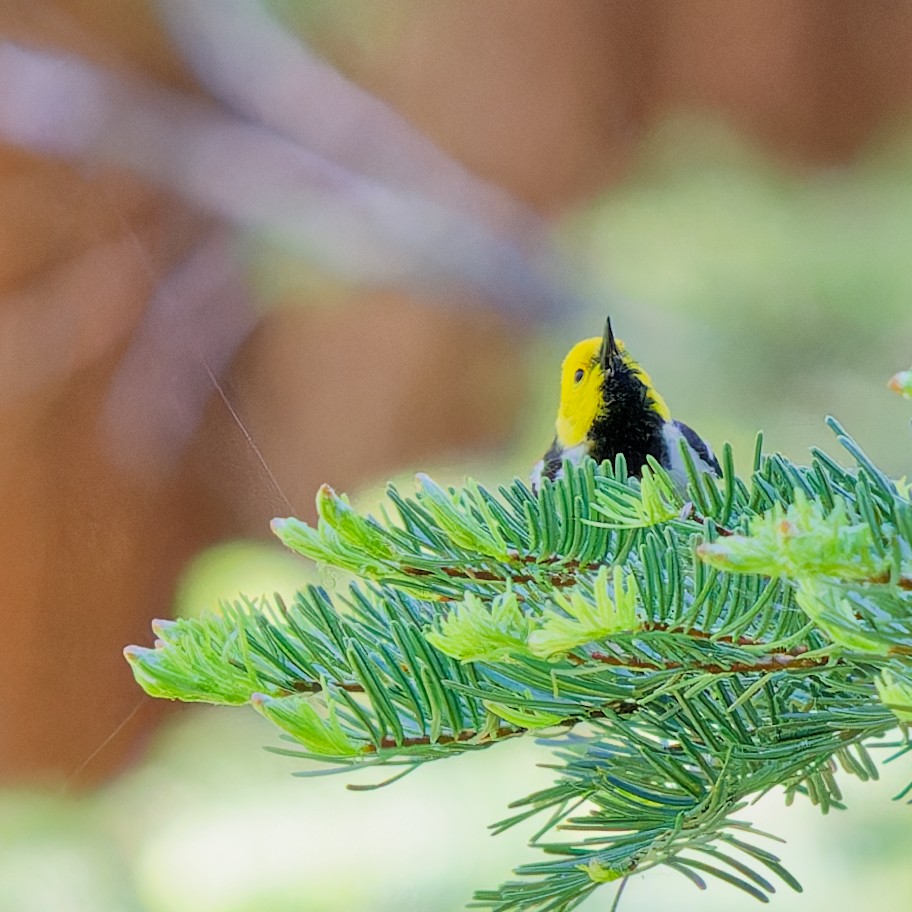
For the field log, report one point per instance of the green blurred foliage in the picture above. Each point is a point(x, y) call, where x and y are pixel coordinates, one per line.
point(253, 567)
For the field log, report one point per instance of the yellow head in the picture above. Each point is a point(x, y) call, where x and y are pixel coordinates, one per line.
point(583, 386)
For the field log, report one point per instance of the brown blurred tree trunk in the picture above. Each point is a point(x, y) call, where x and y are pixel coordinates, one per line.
point(90, 551)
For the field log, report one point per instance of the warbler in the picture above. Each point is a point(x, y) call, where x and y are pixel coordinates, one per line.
point(608, 405)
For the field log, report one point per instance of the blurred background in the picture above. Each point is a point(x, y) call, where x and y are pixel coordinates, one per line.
point(249, 246)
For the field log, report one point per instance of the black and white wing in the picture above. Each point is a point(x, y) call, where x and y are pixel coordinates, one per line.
point(703, 456)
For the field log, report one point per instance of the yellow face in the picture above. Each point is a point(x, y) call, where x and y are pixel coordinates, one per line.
point(581, 392)
point(582, 397)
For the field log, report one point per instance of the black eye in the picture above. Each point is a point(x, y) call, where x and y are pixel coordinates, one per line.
point(578, 375)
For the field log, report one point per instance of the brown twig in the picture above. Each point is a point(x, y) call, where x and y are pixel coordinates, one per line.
point(688, 512)
point(571, 567)
point(774, 661)
point(506, 731)
point(655, 626)
point(558, 580)
point(904, 581)
point(315, 687)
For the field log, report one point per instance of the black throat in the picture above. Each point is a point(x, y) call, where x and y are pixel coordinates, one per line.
point(627, 424)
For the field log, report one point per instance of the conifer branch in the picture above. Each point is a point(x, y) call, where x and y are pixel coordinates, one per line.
point(683, 652)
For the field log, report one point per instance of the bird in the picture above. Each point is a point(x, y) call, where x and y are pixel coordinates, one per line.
point(608, 405)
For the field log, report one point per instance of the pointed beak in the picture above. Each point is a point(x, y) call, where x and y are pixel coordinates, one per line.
point(609, 350)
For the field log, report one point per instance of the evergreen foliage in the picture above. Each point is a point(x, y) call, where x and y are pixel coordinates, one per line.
point(677, 653)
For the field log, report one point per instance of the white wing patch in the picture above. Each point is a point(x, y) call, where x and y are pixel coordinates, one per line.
point(574, 454)
point(676, 468)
